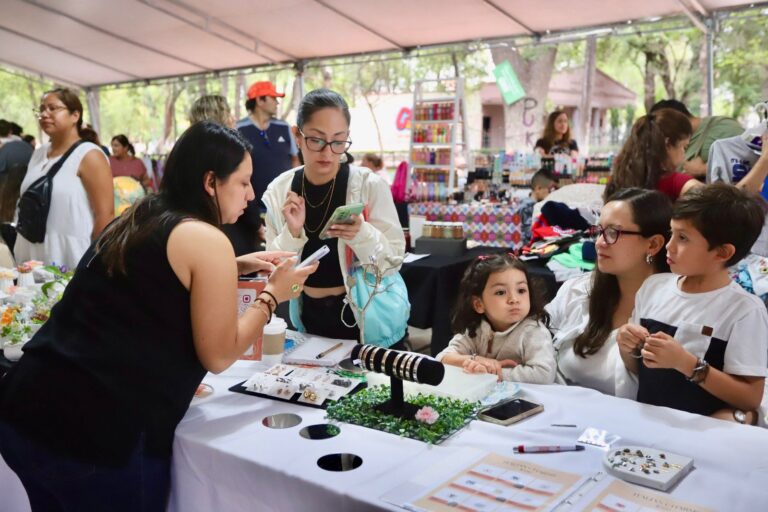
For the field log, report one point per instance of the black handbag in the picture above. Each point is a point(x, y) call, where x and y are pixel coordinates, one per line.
point(35, 202)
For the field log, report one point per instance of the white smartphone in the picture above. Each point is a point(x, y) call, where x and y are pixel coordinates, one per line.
point(315, 256)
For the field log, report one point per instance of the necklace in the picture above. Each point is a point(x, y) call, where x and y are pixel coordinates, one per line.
point(328, 196)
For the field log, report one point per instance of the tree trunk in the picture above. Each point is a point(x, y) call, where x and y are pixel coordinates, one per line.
point(375, 123)
point(35, 99)
point(665, 72)
point(327, 78)
point(239, 89)
point(225, 86)
point(585, 107)
point(94, 109)
point(174, 91)
point(455, 61)
point(650, 80)
point(524, 119)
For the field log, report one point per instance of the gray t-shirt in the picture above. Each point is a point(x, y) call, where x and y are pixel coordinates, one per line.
point(16, 152)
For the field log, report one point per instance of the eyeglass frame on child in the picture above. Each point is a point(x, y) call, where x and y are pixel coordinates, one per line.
point(317, 140)
point(598, 230)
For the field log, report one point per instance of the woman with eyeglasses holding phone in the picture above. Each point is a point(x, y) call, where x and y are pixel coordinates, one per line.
point(82, 200)
point(301, 201)
point(589, 309)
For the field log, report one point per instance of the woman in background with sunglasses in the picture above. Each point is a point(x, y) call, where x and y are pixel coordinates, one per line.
point(300, 202)
point(589, 309)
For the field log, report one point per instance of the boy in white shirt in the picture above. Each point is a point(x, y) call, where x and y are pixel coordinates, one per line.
point(696, 340)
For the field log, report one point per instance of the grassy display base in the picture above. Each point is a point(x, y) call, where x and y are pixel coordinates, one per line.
point(360, 409)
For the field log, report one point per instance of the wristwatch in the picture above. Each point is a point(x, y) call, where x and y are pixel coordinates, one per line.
point(740, 416)
point(700, 371)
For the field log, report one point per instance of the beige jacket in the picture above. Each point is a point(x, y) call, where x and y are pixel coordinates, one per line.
point(380, 236)
point(528, 342)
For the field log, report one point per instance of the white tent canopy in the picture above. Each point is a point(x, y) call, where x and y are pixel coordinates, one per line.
point(96, 42)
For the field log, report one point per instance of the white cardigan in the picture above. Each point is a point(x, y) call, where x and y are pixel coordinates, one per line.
point(380, 236)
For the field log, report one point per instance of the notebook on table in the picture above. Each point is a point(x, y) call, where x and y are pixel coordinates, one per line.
point(309, 347)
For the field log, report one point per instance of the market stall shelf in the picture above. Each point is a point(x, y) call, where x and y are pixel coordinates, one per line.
point(490, 225)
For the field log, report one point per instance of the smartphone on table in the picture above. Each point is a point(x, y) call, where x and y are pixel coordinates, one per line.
point(509, 412)
point(344, 214)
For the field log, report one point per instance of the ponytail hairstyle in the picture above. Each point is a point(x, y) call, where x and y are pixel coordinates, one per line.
point(123, 141)
point(71, 101)
point(465, 318)
point(203, 147)
point(651, 211)
point(643, 159)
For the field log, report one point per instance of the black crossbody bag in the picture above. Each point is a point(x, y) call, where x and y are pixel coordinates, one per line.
point(35, 202)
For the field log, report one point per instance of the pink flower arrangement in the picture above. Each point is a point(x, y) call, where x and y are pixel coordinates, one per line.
point(427, 415)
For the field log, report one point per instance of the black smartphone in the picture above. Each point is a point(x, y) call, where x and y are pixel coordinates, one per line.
point(510, 412)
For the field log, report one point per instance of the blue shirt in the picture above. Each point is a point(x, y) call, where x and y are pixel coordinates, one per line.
point(271, 155)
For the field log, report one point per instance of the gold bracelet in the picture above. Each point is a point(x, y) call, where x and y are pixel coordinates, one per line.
point(257, 308)
point(416, 368)
point(401, 367)
point(371, 357)
point(363, 354)
point(395, 363)
point(409, 366)
point(393, 354)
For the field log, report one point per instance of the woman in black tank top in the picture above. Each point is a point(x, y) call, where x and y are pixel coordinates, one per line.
point(87, 415)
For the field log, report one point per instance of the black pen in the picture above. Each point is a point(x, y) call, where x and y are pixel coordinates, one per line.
point(326, 352)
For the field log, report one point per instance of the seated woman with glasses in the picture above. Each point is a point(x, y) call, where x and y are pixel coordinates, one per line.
point(589, 309)
point(300, 202)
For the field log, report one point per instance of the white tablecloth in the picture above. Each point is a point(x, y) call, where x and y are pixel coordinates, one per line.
point(225, 459)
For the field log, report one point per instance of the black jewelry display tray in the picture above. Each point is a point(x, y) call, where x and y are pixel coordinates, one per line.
point(239, 388)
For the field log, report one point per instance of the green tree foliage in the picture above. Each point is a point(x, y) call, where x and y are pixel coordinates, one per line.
point(741, 63)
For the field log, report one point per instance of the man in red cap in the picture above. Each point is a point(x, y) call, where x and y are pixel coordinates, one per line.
point(274, 151)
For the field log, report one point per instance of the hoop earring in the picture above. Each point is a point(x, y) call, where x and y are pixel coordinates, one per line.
point(649, 259)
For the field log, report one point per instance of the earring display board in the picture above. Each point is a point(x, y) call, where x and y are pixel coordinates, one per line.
point(312, 387)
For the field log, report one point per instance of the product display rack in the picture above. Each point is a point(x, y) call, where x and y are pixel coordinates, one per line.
point(437, 135)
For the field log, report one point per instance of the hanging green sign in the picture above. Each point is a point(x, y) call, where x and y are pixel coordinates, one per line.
point(509, 85)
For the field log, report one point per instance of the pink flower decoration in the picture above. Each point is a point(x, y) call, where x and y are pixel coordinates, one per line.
point(427, 415)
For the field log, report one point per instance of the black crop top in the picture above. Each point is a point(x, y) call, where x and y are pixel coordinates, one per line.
point(328, 273)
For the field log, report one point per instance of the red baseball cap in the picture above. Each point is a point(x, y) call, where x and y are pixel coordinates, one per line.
point(258, 89)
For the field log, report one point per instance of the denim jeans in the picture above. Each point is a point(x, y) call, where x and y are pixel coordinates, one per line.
point(57, 483)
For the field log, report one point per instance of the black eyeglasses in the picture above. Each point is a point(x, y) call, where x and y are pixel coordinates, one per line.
point(609, 234)
point(317, 144)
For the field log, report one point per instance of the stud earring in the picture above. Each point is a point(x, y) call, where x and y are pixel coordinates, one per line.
point(649, 259)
